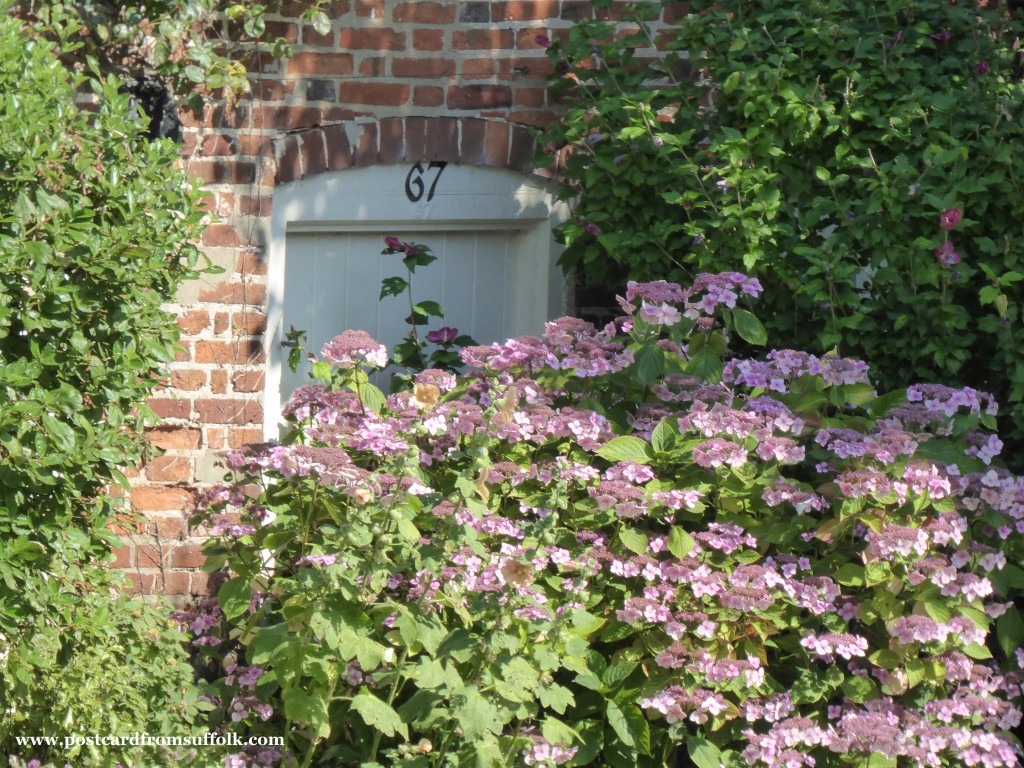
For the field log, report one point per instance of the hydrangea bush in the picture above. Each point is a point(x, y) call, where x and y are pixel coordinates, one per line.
point(618, 546)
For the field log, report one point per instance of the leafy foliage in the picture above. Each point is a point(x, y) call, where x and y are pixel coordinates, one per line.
point(818, 145)
point(198, 45)
point(96, 230)
point(612, 547)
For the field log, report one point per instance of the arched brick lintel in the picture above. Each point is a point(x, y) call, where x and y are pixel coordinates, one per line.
point(396, 140)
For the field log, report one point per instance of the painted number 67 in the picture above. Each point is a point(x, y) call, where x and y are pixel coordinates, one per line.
point(414, 186)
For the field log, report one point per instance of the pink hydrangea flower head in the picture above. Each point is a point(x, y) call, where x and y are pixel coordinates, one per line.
point(355, 347)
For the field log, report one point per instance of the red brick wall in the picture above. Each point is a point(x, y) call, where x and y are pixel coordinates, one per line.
point(392, 82)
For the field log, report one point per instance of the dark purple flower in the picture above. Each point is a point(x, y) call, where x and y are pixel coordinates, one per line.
point(393, 243)
point(445, 335)
point(946, 256)
point(543, 41)
point(592, 228)
point(942, 37)
point(949, 219)
point(981, 67)
point(894, 40)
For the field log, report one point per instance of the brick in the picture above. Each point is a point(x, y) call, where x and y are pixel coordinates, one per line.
point(339, 153)
point(188, 381)
point(184, 353)
point(526, 39)
point(220, 323)
point(217, 438)
point(416, 137)
point(167, 408)
point(187, 556)
point(473, 141)
point(674, 12)
point(176, 584)
point(532, 118)
point(423, 67)
point(392, 140)
point(538, 67)
point(380, 94)
point(175, 438)
point(496, 146)
point(484, 68)
point(168, 527)
point(193, 321)
point(442, 139)
point(288, 155)
point(249, 323)
point(199, 583)
point(313, 39)
point(266, 89)
point(147, 556)
point(529, 97)
point(239, 437)
point(314, 160)
point(220, 235)
point(235, 293)
point(479, 96)
point(248, 381)
point(365, 151)
point(524, 10)
point(219, 382)
point(482, 39)
point(230, 352)
point(254, 205)
point(157, 498)
point(428, 39)
point(218, 145)
point(251, 263)
point(320, 64)
point(423, 12)
point(475, 13)
point(256, 145)
point(292, 118)
point(427, 96)
point(141, 583)
point(522, 151)
point(371, 39)
point(169, 468)
point(373, 66)
point(220, 172)
point(283, 29)
point(122, 556)
point(321, 90)
point(575, 10)
point(373, 9)
point(229, 411)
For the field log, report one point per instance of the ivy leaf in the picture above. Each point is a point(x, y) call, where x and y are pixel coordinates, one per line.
point(378, 714)
point(627, 448)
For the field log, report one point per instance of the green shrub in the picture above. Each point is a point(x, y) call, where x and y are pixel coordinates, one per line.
point(96, 230)
point(587, 552)
point(839, 136)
